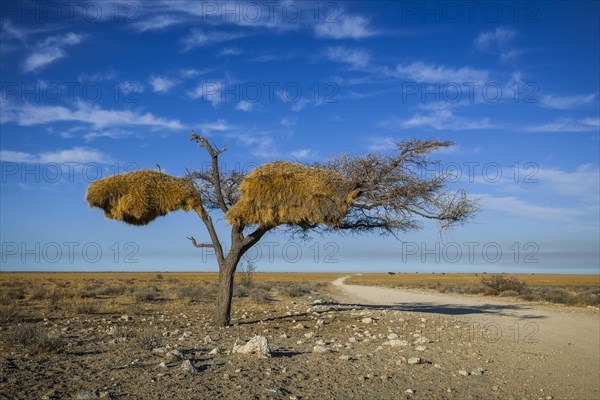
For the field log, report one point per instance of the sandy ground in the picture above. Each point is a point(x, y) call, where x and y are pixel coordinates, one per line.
point(567, 339)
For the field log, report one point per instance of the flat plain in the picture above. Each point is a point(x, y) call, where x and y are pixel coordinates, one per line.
point(376, 336)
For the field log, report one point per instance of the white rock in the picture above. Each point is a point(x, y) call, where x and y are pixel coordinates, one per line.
point(396, 343)
point(309, 335)
point(367, 320)
point(422, 340)
point(392, 336)
point(409, 391)
point(216, 350)
point(463, 372)
point(352, 340)
point(298, 326)
point(125, 318)
point(162, 365)
point(420, 348)
point(415, 360)
point(174, 355)
point(257, 345)
point(188, 367)
point(320, 349)
point(321, 343)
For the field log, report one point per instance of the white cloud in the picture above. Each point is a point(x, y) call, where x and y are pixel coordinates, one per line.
point(567, 125)
point(301, 153)
point(515, 206)
point(442, 119)
point(230, 51)
point(200, 38)
point(211, 91)
point(49, 50)
point(421, 72)
point(355, 58)
point(219, 125)
point(245, 106)
point(498, 41)
point(162, 84)
point(31, 114)
point(567, 102)
point(290, 121)
point(76, 154)
point(158, 22)
point(382, 144)
point(345, 26)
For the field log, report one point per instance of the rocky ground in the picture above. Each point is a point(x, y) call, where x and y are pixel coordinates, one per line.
point(310, 347)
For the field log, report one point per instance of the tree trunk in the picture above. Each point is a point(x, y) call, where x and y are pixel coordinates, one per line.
point(225, 292)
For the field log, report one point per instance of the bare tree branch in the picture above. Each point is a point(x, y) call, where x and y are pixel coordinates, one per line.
point(216, 176)
point(199, 245)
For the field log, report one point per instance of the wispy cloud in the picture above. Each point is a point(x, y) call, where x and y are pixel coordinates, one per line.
point(229, 51)
point(290, 121)
point(50, 50)
point(76, 154)
point(345, 26)
point(219, 125)
point(162, 84)
point(200, 38)
point(499, 42)
point(421, 72)
point(521, 208)
point(28, 114)
point(567, 124)
point(440, 119)
point(244, 105)
point(158, 22)
point(355, 58)
point(302, 154)
point(567, 102)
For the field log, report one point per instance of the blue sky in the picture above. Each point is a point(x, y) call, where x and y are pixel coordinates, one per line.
point(90, 89)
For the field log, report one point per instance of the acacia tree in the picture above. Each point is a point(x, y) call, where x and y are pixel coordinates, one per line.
point(392, 195)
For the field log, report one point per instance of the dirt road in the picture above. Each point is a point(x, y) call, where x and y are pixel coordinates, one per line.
point(550, 346)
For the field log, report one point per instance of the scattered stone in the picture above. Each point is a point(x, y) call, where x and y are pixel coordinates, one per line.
point(367, 320)
point(163, 365)
point(495, 387)
point(420, 348)
point(257, 345)
point(422, 340)
point(352, 340)
point(321, 343)
point(309, 335)
point(216, 350)
point(476, 373)
point(438, 366)
point(320, 349)
point(87, 394)
point(207, 339)
point(392, 336)
point(396, 343)
point(401, 360)
point(298, 326)
point(345, 357)
point(409, 391)
point(463, 372)
point(125, 318)
point(415, 360)
point(188, 367)
point(174, 355)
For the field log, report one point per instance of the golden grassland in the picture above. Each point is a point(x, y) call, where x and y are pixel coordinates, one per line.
point(355, 279)
point(460, 279)
point(184, 276)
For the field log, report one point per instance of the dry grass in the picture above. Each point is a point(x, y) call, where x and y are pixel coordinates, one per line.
point(141, 196)
point(290, 193)
point(581, 290)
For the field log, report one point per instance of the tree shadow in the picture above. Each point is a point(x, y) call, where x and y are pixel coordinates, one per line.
point(445, 309)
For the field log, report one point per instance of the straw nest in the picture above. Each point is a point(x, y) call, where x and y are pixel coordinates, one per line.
point(141, 196)
point(288, 193)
